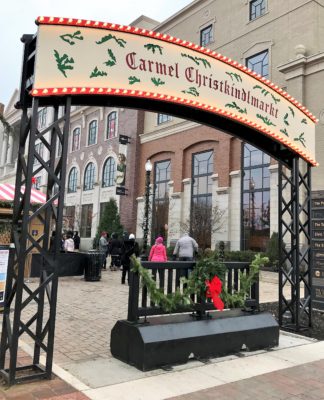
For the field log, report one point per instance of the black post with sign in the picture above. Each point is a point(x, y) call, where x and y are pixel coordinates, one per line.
point(318, 252)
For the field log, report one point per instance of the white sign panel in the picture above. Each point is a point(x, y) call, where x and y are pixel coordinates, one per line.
point(86, 57)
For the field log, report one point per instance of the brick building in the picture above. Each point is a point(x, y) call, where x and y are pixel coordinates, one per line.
point(196, 168)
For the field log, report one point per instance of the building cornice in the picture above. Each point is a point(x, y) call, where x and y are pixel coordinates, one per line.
point(303, 66)
point(168, 131)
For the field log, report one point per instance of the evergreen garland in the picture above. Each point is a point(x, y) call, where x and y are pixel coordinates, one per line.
point(205, 269)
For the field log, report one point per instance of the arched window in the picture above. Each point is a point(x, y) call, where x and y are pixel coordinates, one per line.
point(89, 176)
point(92, 137)
point(111, 125)
point(108, 173)
point(72, 181)
point(76, 139)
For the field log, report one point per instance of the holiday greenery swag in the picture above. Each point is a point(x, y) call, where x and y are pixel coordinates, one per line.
point(202, 283)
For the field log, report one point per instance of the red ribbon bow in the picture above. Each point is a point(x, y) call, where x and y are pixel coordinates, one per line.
point(214, 289)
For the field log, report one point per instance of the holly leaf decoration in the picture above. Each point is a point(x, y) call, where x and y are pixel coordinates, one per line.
point(153, 47)
point(266, 120)
point(112, 60)
point(192, 90)
point(238, 108)
point(120, 42)
point(301, 139)
point(96, 73)
point(197, 60)
point(133, 79)
point(69, 38)
point(235, 76)
point(275, 99)
point(157, 81)
point(63, 62)
point(292, 111)
point(285, 119)
point(284, 131)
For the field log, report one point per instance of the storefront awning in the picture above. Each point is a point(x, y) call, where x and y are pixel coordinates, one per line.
point(7, 193)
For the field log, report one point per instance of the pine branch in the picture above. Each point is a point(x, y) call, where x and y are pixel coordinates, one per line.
point(62, 62)
point(120, 42)
point(68, 37)
point(153, 47)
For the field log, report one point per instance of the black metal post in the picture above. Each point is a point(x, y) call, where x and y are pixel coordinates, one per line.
point(146, 215)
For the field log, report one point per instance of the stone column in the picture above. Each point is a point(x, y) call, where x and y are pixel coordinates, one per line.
point(4, 150)
point(273, 198)
point(221, 201)
point(235, 210)
point(10, 149)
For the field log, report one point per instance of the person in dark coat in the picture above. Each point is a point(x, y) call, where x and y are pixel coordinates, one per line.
point(77, 240)
point(115, 250)
point(130, 247)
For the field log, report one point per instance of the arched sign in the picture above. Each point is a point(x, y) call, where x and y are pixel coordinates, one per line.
point(79, 57)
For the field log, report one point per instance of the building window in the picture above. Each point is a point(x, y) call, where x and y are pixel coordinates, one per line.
point(111, 125)
point(86, 220)
point(92, 137)
point(259, 63)
point(256, 181)
point(201, 198)
point(76, 139)
point(108, 173)
point(39, 149)
point(69, 217)
point(256, 199)
point(206, 35)
point(160, 215)
point(72, 181)
point(89, 176)
point(162, 118)
point(257, 8)
point(42, 118)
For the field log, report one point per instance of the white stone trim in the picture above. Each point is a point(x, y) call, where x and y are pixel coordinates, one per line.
point(167, 131)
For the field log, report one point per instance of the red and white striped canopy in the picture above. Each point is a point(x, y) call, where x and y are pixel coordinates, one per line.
point(7, 193)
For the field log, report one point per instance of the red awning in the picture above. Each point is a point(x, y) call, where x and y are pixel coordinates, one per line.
point(7, 193)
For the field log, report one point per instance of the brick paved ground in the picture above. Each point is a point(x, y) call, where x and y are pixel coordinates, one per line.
point(55, 389)
point(305, 382)
point(86, 313)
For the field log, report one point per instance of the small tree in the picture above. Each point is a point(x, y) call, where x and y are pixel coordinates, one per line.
point(110, 219)
point(205, 220)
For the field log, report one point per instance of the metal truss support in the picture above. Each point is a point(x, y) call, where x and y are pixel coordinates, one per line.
point(34, 310)
point(295, 278)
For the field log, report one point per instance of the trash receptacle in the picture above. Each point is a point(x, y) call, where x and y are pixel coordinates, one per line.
point(92, 270)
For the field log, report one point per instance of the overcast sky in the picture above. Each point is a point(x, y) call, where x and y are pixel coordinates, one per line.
point(17, 18)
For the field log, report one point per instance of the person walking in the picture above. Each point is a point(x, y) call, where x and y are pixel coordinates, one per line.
point(185, 248)
point(77, 240)
point(114, 249)
point(158, 251)
point(103, 248)
point(130, 247)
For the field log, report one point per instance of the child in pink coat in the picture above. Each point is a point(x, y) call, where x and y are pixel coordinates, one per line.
point(158, 251)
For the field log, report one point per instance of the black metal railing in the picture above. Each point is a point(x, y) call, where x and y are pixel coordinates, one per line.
point(168, 278)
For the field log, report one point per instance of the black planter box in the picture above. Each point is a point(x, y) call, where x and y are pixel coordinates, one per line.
point(171, 339)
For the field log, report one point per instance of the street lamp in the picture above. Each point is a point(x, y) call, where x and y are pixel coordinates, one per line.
point(148, 169)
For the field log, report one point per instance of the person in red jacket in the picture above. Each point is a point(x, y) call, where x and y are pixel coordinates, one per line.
point(158, 251)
